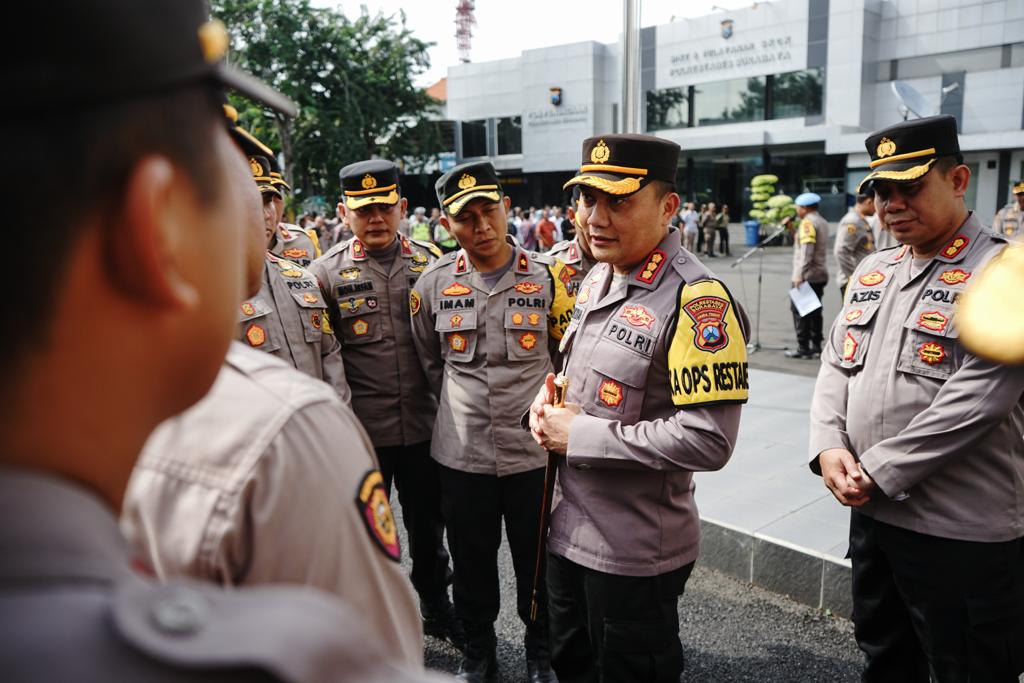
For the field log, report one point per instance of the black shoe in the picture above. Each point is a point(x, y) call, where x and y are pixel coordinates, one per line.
point(816, 352)
point(539, 671)
point(439, 621)
point(478, 670)
point(798, 353)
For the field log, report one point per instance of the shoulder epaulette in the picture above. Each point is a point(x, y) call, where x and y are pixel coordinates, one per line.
point(429, 246)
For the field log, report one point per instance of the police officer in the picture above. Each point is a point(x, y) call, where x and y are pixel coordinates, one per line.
point(810, 250)
point(1008, 219)
point(482, 320)
point(656, 359)
point(288, 241)
point(575, 253)
point(366, 281)
point(288, 316)
point(922, 438)
point(854, 238)
point(189, 505)
point(136, 243)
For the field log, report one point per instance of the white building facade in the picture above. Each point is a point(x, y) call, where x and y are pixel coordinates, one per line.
point(790, 87)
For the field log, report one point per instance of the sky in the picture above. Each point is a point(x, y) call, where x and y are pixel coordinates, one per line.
point(507, 27)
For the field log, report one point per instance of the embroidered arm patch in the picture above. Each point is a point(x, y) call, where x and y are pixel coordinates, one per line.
point(707, 355)
point(562, 302)
point(808, 233)
point(375, 511)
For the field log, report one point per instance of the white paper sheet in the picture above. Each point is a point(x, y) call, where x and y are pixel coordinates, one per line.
point(804, 298)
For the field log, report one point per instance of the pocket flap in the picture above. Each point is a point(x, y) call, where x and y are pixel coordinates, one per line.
point(627, 368)
point(858, 315)
point(527, 319)
point(254, 308)
point(933, 319)
point(455, 320)
point(309, 299)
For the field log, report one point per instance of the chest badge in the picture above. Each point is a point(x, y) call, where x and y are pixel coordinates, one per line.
point(933, 320)
point(457, 343)
point(871, 279)
point(414, 301)
point(456, 289)
point(295, 253)
point(637, 316)
point(527, 340)
point(854, 315)
point(360, 327)
point(849, 347)
point(455, 320)
point(291, 272)
point(310, 298)
point(349, 273)
point(955, 277)
point(315, 319)
point(534, 318)
point(931, 353)
point(528, 287)
point(610, 393)
point(255, 335)
point(248, 309)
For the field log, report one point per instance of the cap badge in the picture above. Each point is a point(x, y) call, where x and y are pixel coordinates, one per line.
point(600, 153)
point(256, 167)
point(369, 182)
point(213, 40)
point(466, 181)
point(886, 148)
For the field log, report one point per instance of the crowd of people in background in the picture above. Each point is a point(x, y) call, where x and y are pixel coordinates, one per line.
point(700, 228)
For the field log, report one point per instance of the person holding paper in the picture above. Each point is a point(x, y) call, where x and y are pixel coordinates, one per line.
point(810, 251)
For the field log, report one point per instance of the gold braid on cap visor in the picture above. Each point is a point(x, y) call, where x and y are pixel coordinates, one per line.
point(456, 206)
point(355, 203)
point(623, 186)
point(912, 173)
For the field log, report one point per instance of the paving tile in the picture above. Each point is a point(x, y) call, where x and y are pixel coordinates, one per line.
point(839, 550)
point(805, 532)
point(787, 571)
point(726, 550)
point(743, 512)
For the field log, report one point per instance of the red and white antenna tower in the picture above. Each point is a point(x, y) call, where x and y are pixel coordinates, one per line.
point(464, 23)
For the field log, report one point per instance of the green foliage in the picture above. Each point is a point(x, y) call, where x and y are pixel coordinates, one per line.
point(352, 80)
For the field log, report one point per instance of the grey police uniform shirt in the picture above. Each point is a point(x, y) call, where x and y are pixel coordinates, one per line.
point(572, 255)
point(810, 249)
point(288, 318)
point(854, 241)
point(73, 609)
point(296, 244)
point(937, 428)
point(657, 362)
point(485, 353)
point(261, 482)
point(1007, 221)
point(883, 238)
point(370, 309)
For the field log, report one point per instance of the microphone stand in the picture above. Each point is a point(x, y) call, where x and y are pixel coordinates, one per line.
point(756, 345)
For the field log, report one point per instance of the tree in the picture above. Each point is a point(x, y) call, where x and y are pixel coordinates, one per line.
point(351, 79)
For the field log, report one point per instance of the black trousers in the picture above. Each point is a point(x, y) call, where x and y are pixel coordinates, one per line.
point(723, 240)
point(614, 629)
point(808, 327)
point(415, 475)
point(928, 604)
point(474, 506)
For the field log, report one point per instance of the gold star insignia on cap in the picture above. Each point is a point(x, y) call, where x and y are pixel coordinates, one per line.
point(466, 181)
point(886, 147)
point(369, 182)
point(213, 40)
point(600, 153)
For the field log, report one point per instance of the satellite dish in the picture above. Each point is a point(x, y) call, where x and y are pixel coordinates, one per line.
point(911, 101)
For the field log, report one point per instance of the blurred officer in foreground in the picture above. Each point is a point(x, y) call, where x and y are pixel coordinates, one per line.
point(288, 316)
point(991, 323)
point(657, 364)
point(810, 254)
point(484, 319)
point(575, 253)
point(366, 281)
point(143, 283)
point(854, 239)
point(922, 438)
point(269, 443)
point(1009, 220)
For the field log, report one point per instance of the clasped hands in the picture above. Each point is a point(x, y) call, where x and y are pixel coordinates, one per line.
point(845, 478)
point(549, 424)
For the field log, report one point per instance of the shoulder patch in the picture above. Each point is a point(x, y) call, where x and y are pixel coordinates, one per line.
point(414, 302)
point(808, 233)
point(374, 508)
point(707, 355)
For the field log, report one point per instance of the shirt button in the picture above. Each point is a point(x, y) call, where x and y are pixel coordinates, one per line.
point(681, 259)
point(181, 614)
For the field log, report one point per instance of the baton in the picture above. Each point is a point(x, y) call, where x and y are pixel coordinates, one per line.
point(550, 473)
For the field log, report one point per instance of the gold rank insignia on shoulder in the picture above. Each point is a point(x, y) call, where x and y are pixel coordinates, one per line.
point(955, 246)
point(650, 270)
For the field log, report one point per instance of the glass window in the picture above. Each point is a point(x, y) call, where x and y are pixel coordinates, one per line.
point(510, 135)
point(474, 138)
point(797, 93)
point(739, 99)
point(1017, 54)
point(668, 108)
point(982, 59)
